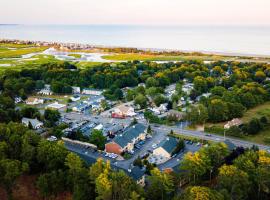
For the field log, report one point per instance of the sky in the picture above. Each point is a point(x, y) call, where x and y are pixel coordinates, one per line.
point(138, 12)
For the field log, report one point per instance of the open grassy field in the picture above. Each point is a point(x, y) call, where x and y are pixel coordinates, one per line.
point(75, 55)
point(87, 64)
point(17, 53)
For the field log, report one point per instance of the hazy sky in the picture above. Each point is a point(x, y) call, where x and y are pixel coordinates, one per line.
point(149, 12)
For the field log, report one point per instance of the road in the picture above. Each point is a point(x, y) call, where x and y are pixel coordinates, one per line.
point(215, 138)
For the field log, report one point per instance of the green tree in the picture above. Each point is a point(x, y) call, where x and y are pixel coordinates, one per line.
point(98, 139)
point(234, 180)
point(218, 110)
point(141, 100)
point(151, 82)
point(160, 185)
point(201, 193)
point(197, 114)
point(10, 170)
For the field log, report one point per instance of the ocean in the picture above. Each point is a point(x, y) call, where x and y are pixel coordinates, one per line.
point(240, 40)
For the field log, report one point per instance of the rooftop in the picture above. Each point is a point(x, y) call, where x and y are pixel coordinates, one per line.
point(169, 144)
point(131, 133)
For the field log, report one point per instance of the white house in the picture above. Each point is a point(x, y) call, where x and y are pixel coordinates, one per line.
point(36, 124)
point(55, 106)
point(34, 101)
point(92, 91)
point(46, 90)
point(124, 110)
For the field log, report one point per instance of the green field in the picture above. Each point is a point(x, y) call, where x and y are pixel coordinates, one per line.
point(6, 52)
point(75, 55)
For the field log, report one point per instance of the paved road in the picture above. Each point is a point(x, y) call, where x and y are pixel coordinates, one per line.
point(215, 138)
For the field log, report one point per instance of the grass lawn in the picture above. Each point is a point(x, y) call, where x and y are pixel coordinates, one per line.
point(75, 55)
point(17, 53)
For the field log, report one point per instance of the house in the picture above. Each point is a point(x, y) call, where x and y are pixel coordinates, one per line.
point(125, 142)
point(36, 124)
point(34, 101)
point(46, 90)
point(233, 122)
point(99, 127)
point(138, 175)
point(80, 107)
point(166, 148)
point(56, 106)
point(90, 91)
point(125, 111)
point(75, 98)
point(175, 114)
point(76, 90)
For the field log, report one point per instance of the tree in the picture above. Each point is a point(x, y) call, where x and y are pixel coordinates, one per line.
point(201, 193)
point(254, 126)
point(98, 139)
point(51, 184)
point(10, 170)
point(218, 90)
point(51, 155)
point(218, 110)
point(160, 185)
point(151, 82)
point(197, 114)
point(140, 100)
point(149, 129)
point(236, 110)
point(98, 168)
point(200, 84)
point(234, 180)
point(260, 76)
point(195, 165)
point(51, 116)
point(159, 99)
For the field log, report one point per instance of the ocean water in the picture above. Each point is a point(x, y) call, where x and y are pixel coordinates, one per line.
point(242, 40)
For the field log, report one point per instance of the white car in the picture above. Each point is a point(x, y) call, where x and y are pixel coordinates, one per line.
point(154, 146)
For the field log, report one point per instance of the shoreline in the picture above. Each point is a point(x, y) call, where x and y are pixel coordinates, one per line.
point(86, 46)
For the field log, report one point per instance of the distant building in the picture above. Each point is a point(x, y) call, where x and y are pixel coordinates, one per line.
point(76, 90)
point(166, 148)
point(125, 142)
point(34, 101)
point(36, 124)
point(176, 114)
point(125, 111)
point(46, 90)
point(233, 122)
point(92, 91)
point(80, 107)
point(56, 106)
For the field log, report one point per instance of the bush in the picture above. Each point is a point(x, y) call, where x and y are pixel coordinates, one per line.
point(234, 131)
point(214, 129)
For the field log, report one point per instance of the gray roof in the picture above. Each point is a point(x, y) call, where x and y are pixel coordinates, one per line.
point(130, 134)
point(136, 173)
point(169, 144)
point(34, 122)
